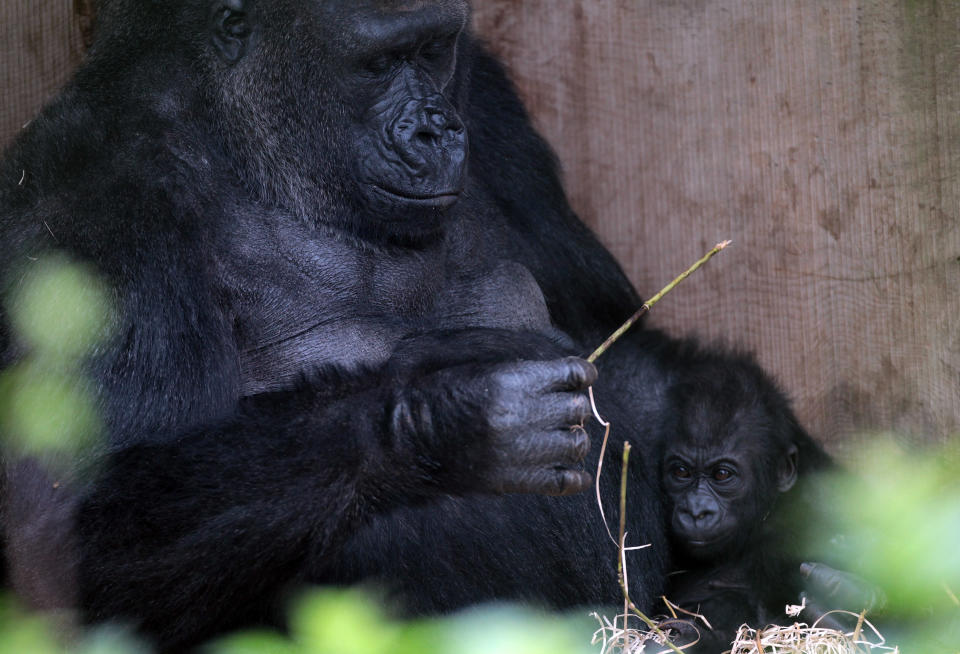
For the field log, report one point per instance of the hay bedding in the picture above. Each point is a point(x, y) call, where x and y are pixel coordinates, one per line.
point(798, 638)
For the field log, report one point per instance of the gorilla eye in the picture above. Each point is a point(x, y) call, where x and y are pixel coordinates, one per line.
point(722, 474)
point(380, 64)
point(681, 472)
point(435, 50)
point(236, 25)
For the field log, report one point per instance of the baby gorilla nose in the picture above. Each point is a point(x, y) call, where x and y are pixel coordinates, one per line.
point(698, 519)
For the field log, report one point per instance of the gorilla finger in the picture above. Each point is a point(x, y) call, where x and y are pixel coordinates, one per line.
point(557, 410)
point(567, 374)
point(545, 481)
point(579, 375)
point(560, 446)
point(822, 617)
point(579, 409)
point(843, 589)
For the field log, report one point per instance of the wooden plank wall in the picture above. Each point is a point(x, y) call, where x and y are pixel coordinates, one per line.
point(822, 136)
point(41, 42)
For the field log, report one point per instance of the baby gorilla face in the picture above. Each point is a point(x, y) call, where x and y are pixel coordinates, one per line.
point(710, 496)
point(722, 472)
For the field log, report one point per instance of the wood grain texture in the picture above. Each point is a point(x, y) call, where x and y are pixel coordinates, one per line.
point(41, 42)
point(822, 136)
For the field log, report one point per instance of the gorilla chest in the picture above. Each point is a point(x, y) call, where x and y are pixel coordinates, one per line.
point(331, 304)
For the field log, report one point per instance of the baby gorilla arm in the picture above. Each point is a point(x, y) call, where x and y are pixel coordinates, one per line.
point(830, 595)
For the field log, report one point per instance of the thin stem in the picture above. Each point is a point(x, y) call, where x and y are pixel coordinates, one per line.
point(632, 320)
point(622, 557)
point(623, 517)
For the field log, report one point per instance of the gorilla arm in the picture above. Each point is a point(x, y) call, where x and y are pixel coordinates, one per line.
point(830, 595)
point(258, 497)
point(208, 507)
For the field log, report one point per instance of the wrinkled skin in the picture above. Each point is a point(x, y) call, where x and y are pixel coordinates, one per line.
point(348, 298)
point(378, 106)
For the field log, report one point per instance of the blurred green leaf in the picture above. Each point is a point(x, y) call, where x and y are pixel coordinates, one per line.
point(902, 514)
point(350, 622)
point(21, 632)
point(60, 309)
point(508, 629)
point(342, 622)
point(422, 637)
point(46, 411)
point(254, 642)
point(109, 639)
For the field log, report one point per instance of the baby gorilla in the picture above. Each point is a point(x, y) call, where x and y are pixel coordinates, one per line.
point(733, 455)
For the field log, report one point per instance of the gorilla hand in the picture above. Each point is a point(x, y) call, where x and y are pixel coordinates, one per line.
point(507, 427)
point(827, 589)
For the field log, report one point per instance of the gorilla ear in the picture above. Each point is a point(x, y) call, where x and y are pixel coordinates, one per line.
point(229, 29)
point(787, 469)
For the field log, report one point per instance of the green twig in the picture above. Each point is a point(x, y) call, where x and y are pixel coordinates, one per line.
point(623, 524)
point(649, 303)
point(621, 558)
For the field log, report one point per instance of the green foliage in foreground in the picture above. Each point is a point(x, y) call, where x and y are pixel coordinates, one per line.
point(899, 513)
point(349, 622)
point(24, 633)
point(60, 311)
point(332, 622)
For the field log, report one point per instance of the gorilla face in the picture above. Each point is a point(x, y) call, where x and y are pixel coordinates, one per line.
point(709, 490)
point(348, 105)
point(722, 472)
point(409, 144)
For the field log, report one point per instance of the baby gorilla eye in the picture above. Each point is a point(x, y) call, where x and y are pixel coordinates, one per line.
point(680, 472)
point(722, 474)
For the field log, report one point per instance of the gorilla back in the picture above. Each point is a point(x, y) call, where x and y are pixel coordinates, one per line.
point(277, 195)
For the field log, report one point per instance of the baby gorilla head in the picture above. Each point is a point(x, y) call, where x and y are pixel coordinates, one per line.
point(731, 449)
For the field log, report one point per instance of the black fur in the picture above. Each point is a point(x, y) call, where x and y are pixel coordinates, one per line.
point(737, 471)
point(310, 380)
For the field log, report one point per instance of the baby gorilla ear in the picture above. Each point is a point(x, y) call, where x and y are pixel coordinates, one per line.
point(787, 469)
point(229, 29)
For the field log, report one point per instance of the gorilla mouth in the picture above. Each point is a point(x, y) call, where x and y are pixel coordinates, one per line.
point(706, 545)
point(440, 200)
point(700, 548)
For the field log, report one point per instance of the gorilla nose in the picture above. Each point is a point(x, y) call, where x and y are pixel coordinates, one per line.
point(437, 124)
point(704, 517)
point(428, 132)
point(424, 151)
point(698, 518)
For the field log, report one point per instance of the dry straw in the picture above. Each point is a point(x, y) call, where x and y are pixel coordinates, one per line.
point(800, 638)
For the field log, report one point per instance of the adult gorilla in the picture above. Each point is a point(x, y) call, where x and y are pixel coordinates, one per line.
point(278, 194)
